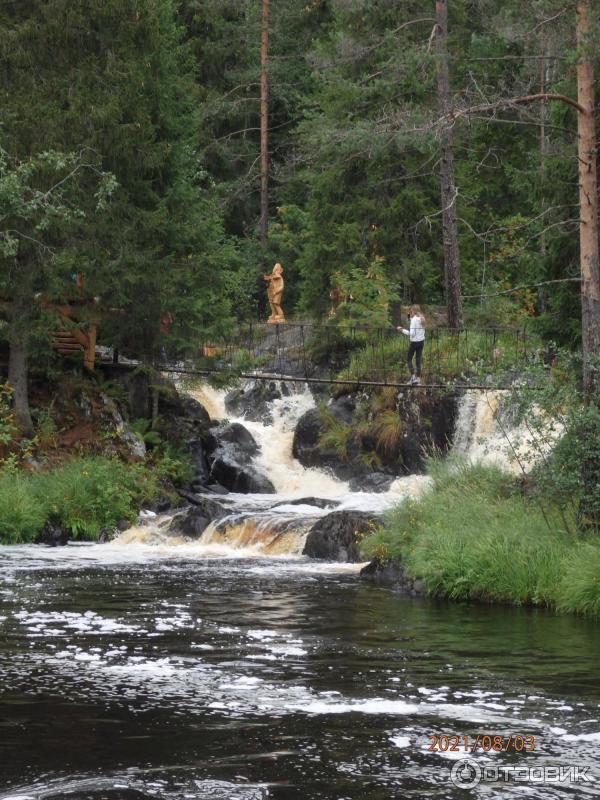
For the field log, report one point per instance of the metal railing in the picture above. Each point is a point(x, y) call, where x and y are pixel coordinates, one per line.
point(359, 355)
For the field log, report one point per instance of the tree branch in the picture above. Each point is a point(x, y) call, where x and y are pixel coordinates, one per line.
point(513, 101)
point(522, 286)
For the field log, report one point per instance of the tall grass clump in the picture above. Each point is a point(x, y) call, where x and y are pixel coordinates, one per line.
point(474, 536)
point(579, 587)
point(83, 497)
point(22, 516)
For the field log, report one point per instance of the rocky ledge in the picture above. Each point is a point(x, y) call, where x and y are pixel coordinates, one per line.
point(391, 573)
point(336, 537)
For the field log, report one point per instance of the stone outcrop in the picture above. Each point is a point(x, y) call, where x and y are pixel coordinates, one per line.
point(239, 477)
point(336, 536)
point(391, 573)
point(52, 535)
point(425, 423)
point(318, 502)
point(310, 452)
point(253, 401)
point(230, 449)
point(194, 521)
point(376, 482)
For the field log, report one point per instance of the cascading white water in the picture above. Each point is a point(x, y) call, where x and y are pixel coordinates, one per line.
point(484, 433)
point(267, 524)
point(277, 525)
point(290, 478)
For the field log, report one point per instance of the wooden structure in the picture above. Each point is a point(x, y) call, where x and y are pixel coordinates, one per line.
point(79, 317)
point(73, 339)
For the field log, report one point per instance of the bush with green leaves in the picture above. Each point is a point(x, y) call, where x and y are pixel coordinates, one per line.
point(571, 474)
point(83, 497)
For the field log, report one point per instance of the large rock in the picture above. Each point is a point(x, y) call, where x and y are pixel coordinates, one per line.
point(194, 521)
point(199, 461)
point(230, 450)
point(317, 502)
point(306, 437)
point(343, 408)
point(191, 409)
point(238, 477)
point(253, 401)
point(233, 439)
point(52, 535)
point(391, 573)
point(334, 537)
point(309, 451)
point(376, 482)
point(429, 421)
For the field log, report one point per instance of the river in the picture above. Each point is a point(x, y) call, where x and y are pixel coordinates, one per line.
point(152, 667)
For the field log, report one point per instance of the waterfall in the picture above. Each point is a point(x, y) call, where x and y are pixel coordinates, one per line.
point(486, 433)
point(276, 525)
point(263, 524)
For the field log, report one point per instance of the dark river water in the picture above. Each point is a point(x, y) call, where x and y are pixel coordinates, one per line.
point(136, 673)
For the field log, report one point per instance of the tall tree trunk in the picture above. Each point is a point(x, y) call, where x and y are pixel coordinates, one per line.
point(588, 201)
point(544, 81)
point(18, 371)
point(264, 123)
point(449, 215)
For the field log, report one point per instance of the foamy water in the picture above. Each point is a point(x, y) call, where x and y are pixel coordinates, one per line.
point(485, 434)
point(185, 679)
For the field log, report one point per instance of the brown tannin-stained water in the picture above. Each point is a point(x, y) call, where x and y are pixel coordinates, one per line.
point(233, 668)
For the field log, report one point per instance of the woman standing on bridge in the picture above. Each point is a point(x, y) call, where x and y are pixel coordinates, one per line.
point(416, 336)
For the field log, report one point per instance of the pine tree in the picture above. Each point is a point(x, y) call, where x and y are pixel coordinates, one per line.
point(112, 80)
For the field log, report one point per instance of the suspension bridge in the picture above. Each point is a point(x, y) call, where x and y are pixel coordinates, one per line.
point(485, 358)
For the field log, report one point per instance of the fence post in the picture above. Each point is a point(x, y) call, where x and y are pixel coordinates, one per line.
point(382, 355)
point(278, 348)
point(303, 351)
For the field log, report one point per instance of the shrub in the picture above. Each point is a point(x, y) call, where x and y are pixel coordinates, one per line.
point(83, 496)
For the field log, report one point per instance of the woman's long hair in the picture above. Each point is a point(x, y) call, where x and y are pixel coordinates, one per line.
point(415, 311)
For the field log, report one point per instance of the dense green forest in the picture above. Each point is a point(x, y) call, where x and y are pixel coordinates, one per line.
point(130, 155)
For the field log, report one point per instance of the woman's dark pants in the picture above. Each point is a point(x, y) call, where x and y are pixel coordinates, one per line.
point(415, 349)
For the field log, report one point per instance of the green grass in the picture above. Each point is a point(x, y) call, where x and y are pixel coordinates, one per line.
point(335, 435)
point(475, 537)
point(446, 355)
point(83, 496)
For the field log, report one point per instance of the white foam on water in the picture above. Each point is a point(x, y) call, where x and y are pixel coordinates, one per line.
point(400, 741)
point(581, 737)
point(484, 434)
point(290, 478)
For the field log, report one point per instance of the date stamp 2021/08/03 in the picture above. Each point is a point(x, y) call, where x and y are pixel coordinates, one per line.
point(486, 743)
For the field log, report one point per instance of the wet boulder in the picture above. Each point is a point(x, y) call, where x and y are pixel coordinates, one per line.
point(253, 401)
point(230, 450)
point(182, 419)
point(198, 459)
point(310, 452)
point(234, 439)
point(317, 502)
point(343, 408)
point(52, 535)
point(335, 536)
point(392, 574)
point(306, 437)
point(376, 482)
point(194, 521)
point(238, 477)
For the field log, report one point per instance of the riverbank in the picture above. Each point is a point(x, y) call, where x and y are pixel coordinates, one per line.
point(477, 536)
point(86, 498)
point(92, 462)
